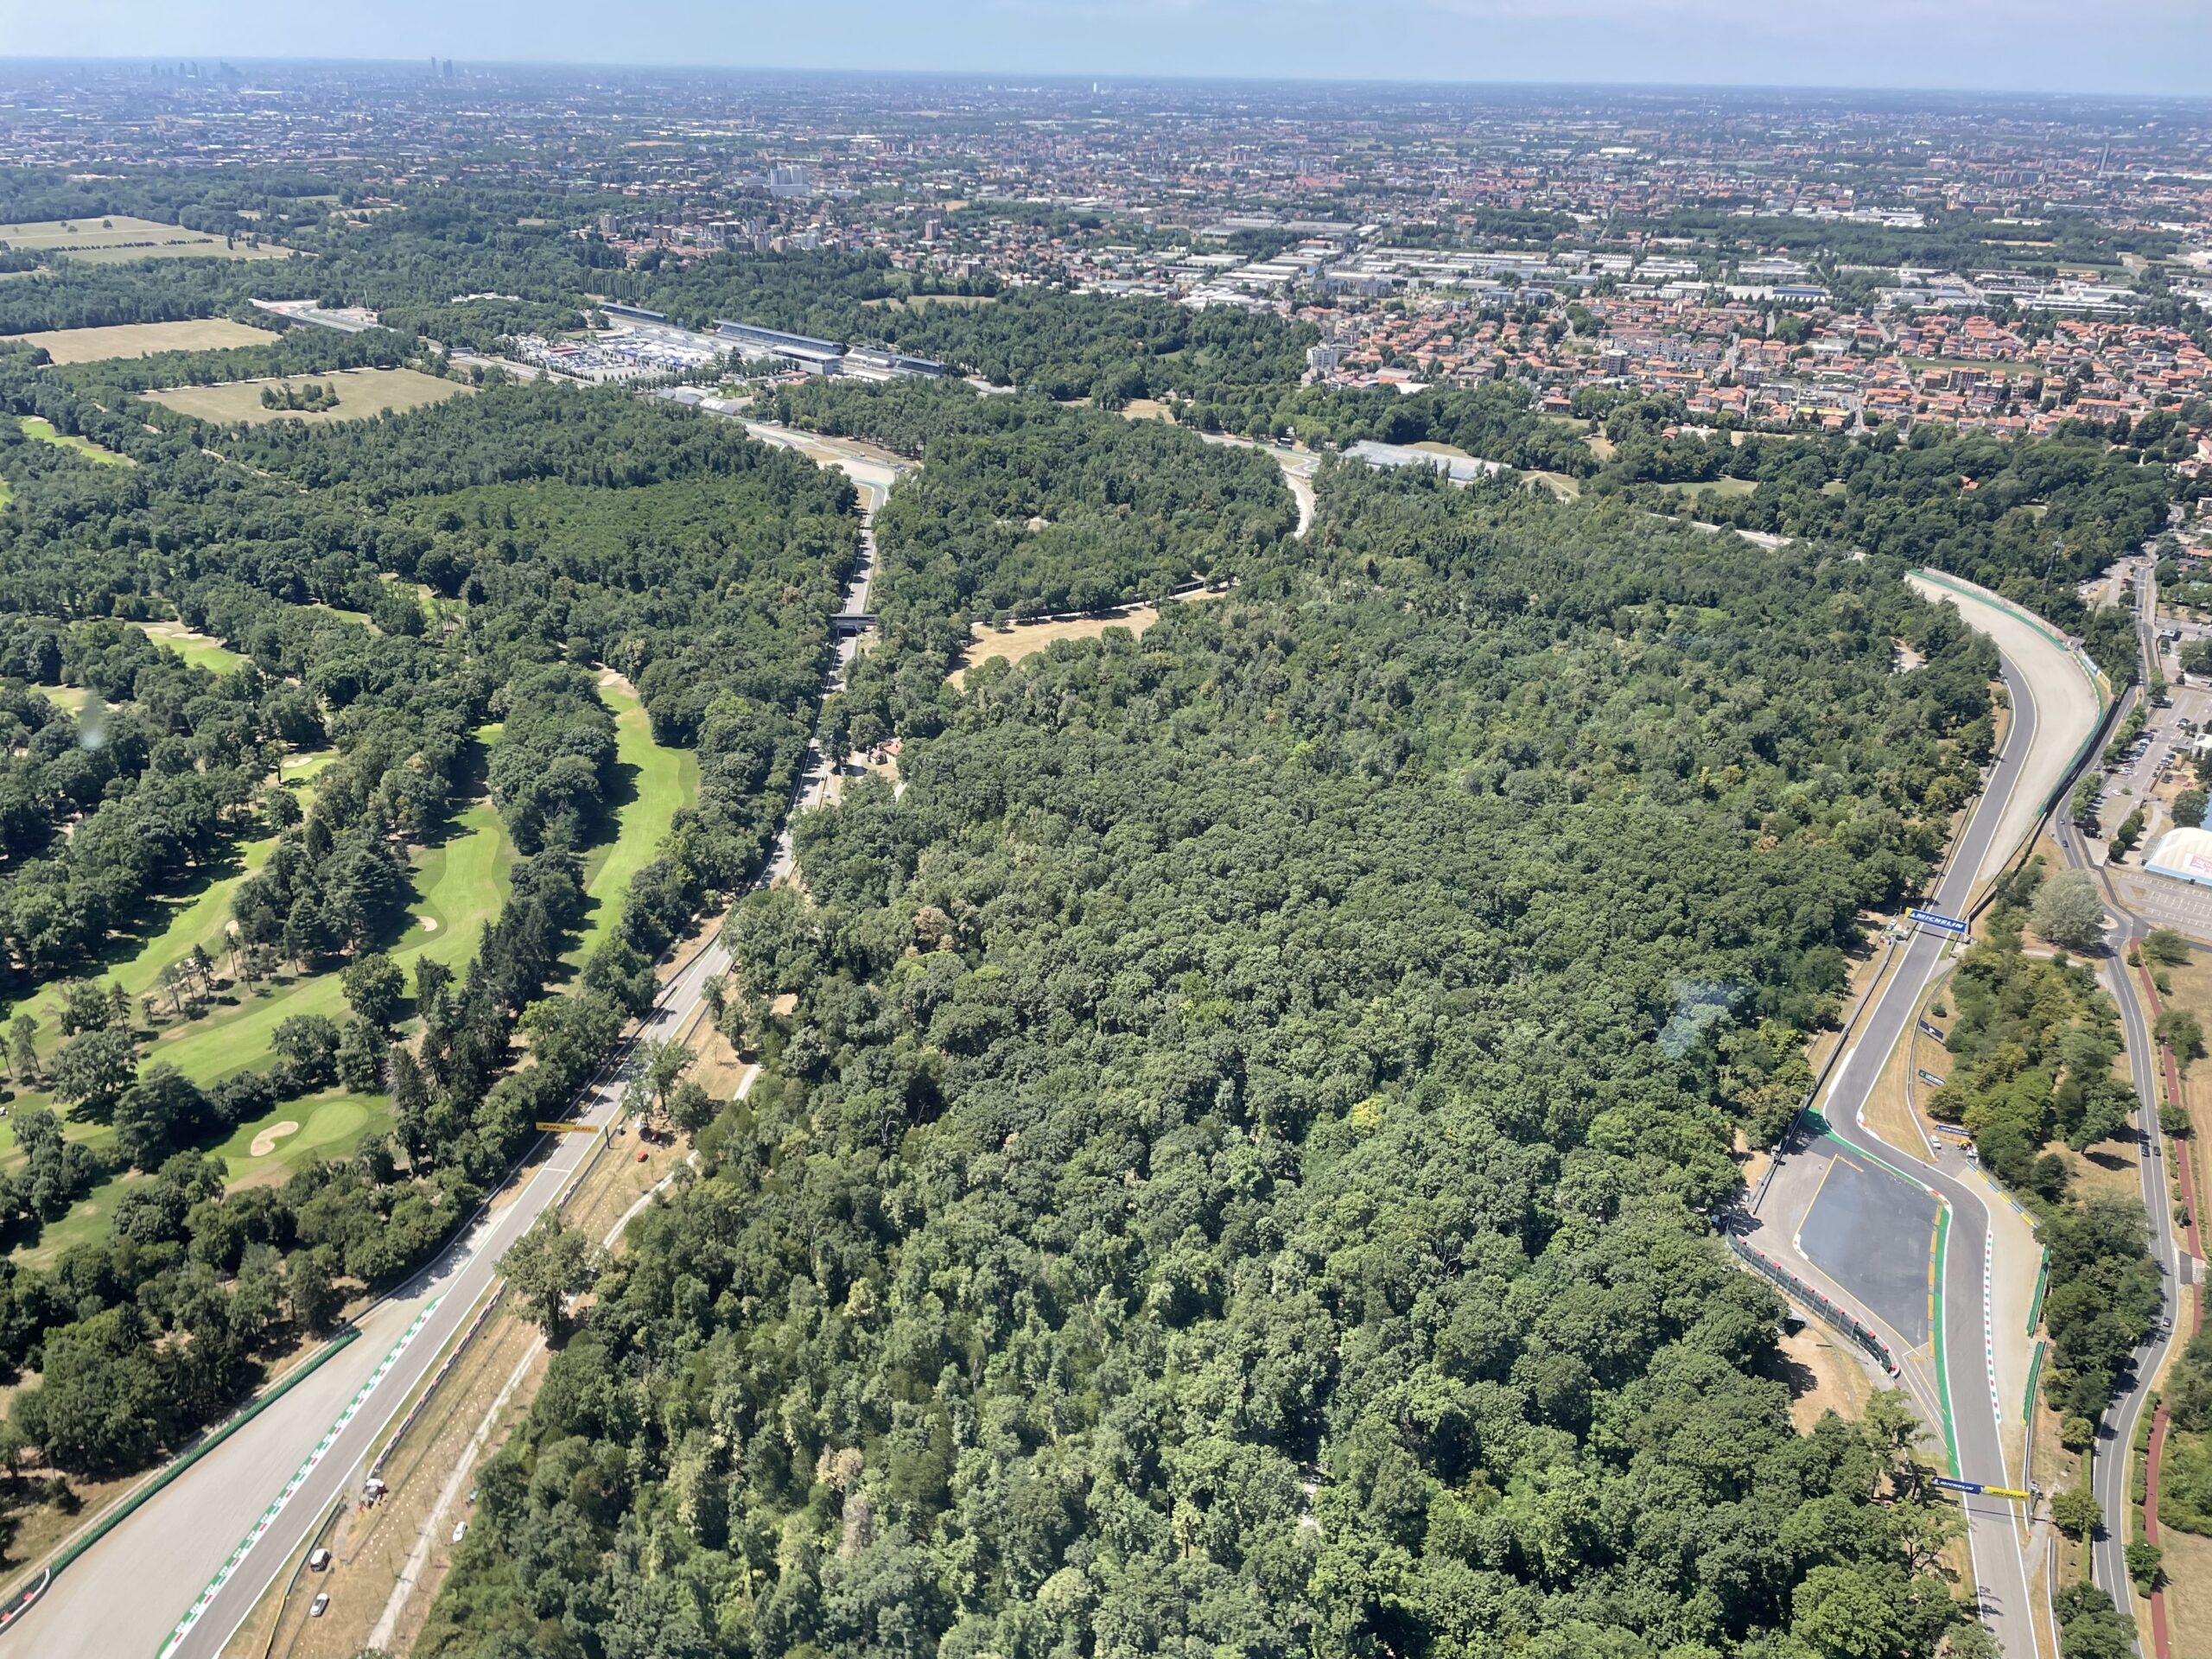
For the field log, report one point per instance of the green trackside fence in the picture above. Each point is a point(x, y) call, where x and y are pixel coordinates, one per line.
point(1800, 1291)
point(2043, 1284)
point(2035, 1375)
point(137, 1500)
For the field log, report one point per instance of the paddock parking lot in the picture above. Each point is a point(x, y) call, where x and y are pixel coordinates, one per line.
point(2163, 902)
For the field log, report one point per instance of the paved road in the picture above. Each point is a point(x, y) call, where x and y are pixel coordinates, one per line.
point(176, 1559)
point(2054, 708)
point(1297, 465)
point(2065, 700)
point(2116, 1431)
point(2000, 1571)
point(1855, 1231)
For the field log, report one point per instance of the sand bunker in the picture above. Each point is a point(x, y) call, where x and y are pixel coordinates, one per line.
point(265, 1142)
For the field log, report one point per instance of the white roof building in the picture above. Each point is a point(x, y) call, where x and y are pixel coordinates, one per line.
point(2184, 854)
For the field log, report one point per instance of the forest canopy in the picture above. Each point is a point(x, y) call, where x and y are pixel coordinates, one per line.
point(1236, 1174)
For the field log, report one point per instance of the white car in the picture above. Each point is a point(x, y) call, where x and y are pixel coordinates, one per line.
point(320, 1605)
point(460, 1530)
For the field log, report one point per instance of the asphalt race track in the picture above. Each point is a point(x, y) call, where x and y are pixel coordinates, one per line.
point(1859, 1231)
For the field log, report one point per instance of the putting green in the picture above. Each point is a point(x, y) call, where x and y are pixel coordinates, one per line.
point(460, 884)
point(331, 1126)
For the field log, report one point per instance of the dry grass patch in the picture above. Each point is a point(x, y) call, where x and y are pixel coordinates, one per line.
point(2189, 1592)
point(717, 1069)
point(919, 302)
point(117, 238)
point(2109, 1169)
point(361, 393)
point(1823, 1376)
point(122, 339)
point(1027, 638)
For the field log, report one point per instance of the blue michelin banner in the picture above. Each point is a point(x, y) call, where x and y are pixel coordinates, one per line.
point(1937, 919)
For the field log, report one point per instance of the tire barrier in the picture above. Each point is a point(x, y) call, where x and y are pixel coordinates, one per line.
point(24, 1602)
point(1802, 1292)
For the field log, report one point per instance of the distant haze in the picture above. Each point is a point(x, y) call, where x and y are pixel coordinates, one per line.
point(2156, 47)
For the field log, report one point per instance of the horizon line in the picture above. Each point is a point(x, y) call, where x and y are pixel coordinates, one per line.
point(1100, 78)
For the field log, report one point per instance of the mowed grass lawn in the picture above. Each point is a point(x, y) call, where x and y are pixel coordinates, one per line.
point(197, 649)
point(1721, 488)
point(655, 783)
point(460, 884)
point(112, 340)
point(361, 393)
point(116, 238)
point(41, 429)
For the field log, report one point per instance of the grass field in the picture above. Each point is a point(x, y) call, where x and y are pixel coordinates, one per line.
point(361, 393)
point(39, 428)
point(657, 783)
point(1027, 638)
point(144, 338)
point(1719, 487)
point(118, 239)
point(460, 884)
point(74, 698)
point(197, 649)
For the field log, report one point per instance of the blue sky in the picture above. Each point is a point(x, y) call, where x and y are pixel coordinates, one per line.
point(2099, 45)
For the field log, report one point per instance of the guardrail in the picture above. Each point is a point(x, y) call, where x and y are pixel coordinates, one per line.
point(2043, 1284)
point(437, 1379)
point(176, 1466)
point(600, 1144)
point(1799, 1291)
point(292, 1583)
point(2109, 711)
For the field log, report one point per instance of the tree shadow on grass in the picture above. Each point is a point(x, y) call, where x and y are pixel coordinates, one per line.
point(1777, 1365)
point(152, 919)
point(471, 783)
point(622, 792)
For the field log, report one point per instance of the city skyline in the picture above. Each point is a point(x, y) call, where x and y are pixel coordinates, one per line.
point(2134, 48)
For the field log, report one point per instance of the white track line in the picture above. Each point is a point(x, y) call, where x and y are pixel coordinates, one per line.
point(225, 1574)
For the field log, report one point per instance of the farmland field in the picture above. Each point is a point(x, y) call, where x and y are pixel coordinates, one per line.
point(144, 338)
point(361, 393)
point(118, 239)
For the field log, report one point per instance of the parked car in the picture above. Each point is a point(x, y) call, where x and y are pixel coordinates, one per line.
point(460, 1530)
point(320, 1605)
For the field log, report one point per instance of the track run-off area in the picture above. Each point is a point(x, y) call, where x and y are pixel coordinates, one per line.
point(1915, 1240)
